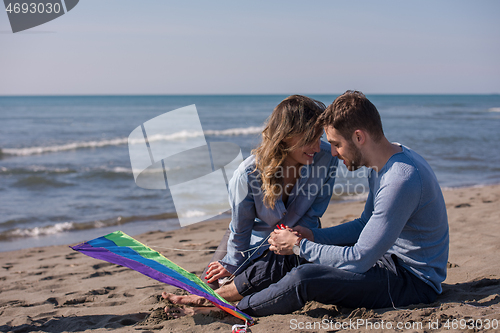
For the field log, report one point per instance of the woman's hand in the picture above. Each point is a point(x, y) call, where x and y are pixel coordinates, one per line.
point(303, 232)
point(282, 241)
point(216, 271)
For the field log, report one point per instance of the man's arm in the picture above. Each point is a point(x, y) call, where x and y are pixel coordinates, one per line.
point(346, 233)
point(394, 203)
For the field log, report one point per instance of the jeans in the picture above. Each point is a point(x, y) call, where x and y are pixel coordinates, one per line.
point(283, 284)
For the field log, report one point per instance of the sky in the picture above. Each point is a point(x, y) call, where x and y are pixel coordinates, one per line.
point(104, 47)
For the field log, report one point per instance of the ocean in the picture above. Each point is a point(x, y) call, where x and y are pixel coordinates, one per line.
point(66, 175)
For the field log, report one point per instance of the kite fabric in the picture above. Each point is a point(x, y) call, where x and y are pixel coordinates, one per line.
point(121, 249)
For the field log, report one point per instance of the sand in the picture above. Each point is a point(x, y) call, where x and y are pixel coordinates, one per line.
point(54, 289)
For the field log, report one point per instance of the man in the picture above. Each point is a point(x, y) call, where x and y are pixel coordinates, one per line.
point(395, 254)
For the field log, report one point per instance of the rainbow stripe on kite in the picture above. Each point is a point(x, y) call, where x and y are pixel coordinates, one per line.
point(121, 249)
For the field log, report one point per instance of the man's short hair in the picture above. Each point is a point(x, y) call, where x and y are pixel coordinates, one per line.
point(352, 111)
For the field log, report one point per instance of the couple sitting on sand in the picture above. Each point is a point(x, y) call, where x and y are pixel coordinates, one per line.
point(394, 255)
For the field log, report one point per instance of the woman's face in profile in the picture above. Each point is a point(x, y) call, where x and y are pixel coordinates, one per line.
point(301, 155)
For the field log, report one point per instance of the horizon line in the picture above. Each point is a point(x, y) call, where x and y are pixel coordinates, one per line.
point(244, 94)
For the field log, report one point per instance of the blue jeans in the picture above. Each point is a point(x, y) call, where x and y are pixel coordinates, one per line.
point(282, 284)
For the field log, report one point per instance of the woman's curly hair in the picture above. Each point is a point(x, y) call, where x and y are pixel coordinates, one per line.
point(296, 115)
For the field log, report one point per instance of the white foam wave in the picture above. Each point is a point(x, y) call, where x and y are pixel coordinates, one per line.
point(494, 109)
point(35, 169)
point(65, 147)
point(182, 135)
point(236, 131)
point(121, 170)
point(42, 231)
point(193, 213)
point(41, 168)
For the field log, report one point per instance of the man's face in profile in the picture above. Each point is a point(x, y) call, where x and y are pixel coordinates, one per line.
point(344, 149)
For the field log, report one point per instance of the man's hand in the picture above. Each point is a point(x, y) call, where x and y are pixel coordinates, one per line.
point(216, 271)
point(303, 232)
point(282, 241)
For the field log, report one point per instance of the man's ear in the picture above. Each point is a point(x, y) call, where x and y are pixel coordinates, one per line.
point(359, 137)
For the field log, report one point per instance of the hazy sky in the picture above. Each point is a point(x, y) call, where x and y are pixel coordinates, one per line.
point(253, 47)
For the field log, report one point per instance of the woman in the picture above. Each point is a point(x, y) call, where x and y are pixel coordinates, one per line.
point(288, 180)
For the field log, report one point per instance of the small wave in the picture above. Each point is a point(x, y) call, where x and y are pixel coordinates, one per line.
point(494, 109)
point(118, 172)
point(64, 147)
point(107, 173)
point(39, 182)
point(36, 169)
point(182, 135)
point(14, 222)
point(121, 170)
point(39, 231)
point(73, 226)
point(462, 187)
point(37, 174)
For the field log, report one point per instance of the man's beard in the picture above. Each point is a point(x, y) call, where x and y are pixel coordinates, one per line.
point(354, 162)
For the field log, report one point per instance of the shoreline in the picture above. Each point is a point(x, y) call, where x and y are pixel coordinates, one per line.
point(54, 288)
point(72, 235)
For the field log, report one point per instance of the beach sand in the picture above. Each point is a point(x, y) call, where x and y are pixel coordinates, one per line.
point(55, 289)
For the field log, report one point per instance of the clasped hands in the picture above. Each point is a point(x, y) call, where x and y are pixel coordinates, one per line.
point(282, 240)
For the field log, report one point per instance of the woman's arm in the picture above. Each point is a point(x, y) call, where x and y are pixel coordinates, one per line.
point(242, 204)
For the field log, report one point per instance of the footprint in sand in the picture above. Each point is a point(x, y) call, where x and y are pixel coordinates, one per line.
point(53, 301)
point(79, 300)
point(97, 274)
point(102, 291)
point(104, 264)
point(70, 256)
point(463, 205)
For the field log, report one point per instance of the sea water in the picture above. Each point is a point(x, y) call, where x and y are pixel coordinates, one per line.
point(66, 175)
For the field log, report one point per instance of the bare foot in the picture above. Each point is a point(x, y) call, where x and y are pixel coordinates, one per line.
point(191, 300)
point(182, 311)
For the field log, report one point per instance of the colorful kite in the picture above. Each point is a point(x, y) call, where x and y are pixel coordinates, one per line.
point(121, 249)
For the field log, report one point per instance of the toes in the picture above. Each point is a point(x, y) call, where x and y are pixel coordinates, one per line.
point(202, 302)
point(166, 295)
point(170, 297)
point(173, 312)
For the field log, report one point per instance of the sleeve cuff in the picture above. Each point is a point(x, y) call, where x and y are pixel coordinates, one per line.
point(317, 235)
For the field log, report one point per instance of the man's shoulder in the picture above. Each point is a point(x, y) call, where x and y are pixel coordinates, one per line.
point(409, 167)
